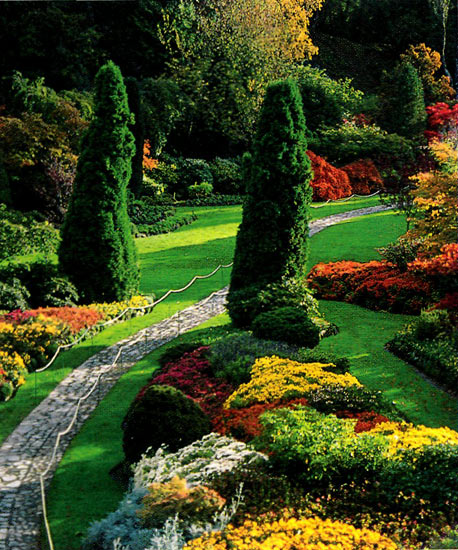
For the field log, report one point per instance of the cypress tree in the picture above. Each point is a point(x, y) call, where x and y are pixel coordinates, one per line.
point(97, 250)
point(271, 242)
point(405, 112)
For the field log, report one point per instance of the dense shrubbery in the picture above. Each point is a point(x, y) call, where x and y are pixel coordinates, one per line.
point(23, 233)
point(364, 177)
point(430, 342)
point(162, 415)
point(289, 324)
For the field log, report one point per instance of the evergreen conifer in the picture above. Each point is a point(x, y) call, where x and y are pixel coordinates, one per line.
point(97, 250)
point(404, 109)
point(271, 242)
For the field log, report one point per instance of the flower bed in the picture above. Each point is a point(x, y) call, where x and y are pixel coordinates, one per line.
point(359, 478)
point(28, 339)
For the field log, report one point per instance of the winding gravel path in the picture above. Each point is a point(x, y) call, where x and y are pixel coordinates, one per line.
point(27, 452)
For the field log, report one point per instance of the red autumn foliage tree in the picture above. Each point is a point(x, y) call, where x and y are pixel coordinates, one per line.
point(364, 177)
point(442, 119)
point(329, 183)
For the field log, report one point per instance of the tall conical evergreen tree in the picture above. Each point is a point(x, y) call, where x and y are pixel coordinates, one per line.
point(404, 110)
point(97, 250)
point(138, 130)
point(272, 239)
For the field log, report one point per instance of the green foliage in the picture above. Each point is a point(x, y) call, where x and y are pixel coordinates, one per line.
point(317, 447)
point(13, 295)
point(41, 284)
point(227, 176)
point(247, 303)
point(349, 142)
point(430, 342)
point(404, 103)
point(97, 249)
point(272, 238)
point(326, 101)
point(190, 172)
point(138, 131)
point(5, 190)
point(162, 416)
point(198, 190)
point(400, 252)
point(287, 324)
point(25, 233)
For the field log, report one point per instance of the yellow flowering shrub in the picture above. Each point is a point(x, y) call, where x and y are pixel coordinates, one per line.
point(293, 534)
point(34, 340)
point(113, 309)
point(403, 436)
point(12, 374)
point(275, 378)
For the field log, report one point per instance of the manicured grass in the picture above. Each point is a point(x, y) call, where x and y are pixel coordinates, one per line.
point(362, 337)
point(82, 489)
point(357, 238)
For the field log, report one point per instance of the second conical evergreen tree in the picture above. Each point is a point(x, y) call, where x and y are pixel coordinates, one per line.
point(272, 239)
point(97, 250)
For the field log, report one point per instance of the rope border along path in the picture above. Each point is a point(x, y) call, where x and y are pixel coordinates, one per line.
point(30, 455)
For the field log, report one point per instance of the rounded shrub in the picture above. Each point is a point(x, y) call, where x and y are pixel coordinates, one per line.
point(287, 324)
point(162, 416)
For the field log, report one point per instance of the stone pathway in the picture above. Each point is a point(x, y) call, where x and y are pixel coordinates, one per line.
point(27, 452)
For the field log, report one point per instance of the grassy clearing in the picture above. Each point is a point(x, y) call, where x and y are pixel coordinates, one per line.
point(357, 238)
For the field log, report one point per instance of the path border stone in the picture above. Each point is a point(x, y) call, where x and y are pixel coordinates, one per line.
point(26, 453)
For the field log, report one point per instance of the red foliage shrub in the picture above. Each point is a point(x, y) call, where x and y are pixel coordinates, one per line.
point(243, 424)
point(366, 420)
point(192, 375)
point(443, 265)
point(376, 285)
point(329, 183)
point(17, 316)
point(441, 119)
point(77, 318)
point(364, 177)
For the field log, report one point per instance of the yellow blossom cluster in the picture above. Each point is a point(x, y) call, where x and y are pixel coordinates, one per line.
point(275, 378)
point(403, 436)
point(293, 534)
point(113, 309)
point(12, 373)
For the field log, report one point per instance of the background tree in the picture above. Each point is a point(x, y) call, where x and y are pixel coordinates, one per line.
point(97, 249)
point(272, 239)
point(441, 9)
point(404, 110)
point(138, 130)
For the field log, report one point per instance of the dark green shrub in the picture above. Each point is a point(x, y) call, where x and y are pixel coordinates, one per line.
point(162, 415)
point(97, 250)
point(247, 303)
point(5, 190)
point(164, 226)
point(287, 324)
point(145, 211)
point(271, 241)
point(227, 176)
point(400, 253)
point(200, 190)
point(350, 398)
point(189, 172)
point(325, 101)
point(349, 142)
point(44, 285)
point(404, 106)
point(215, 200)
point(173, 353)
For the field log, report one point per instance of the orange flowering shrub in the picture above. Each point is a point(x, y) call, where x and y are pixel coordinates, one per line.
point(329, 183)
point(148, 162)
point(376, 285)
point(364, 177)
point(77, 318)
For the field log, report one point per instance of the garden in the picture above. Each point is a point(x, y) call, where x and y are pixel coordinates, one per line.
point(180, 148)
